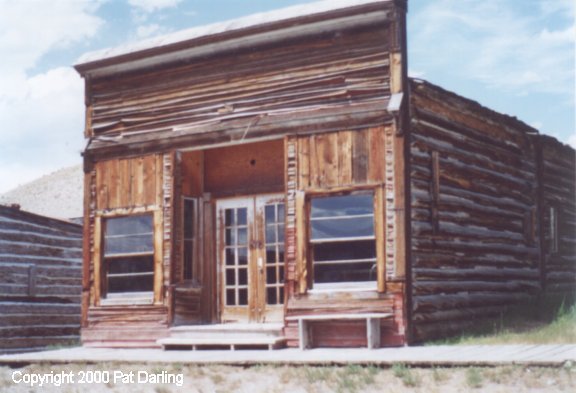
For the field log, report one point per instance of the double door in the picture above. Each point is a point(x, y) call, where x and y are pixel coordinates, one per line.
point(251, 258)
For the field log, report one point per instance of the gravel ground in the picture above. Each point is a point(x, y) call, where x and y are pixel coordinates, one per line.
point(270, 379)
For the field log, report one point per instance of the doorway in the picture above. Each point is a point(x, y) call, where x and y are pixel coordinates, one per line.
point(251, 258)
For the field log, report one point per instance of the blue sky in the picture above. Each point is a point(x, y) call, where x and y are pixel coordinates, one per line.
point(514, 56)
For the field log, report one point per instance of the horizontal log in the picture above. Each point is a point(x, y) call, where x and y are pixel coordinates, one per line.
point(39, 320)
point(48, 330)
point(35, 342)
point(475, 273)
point(464, 300)
point(448, 287)
point(457, 315)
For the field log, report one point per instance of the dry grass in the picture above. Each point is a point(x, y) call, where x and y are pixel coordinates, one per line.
point(352, 378)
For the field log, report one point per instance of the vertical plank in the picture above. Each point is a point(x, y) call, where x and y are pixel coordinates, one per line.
point(379, 222)
point(158, 175)
point(400, 205)
point(301, 243)
point(113, 183)
point(210, 304)
point(360, 157)
point(345, 158)
point(303, 157)
point(158, 256)
point(124, 184)
point(330, 160)
point(137, 174)
point(148, 180)
point(376, 155)
point(317, 169)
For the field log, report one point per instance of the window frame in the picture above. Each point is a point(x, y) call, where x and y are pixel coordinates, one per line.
point(101, 296)
point(375, 237)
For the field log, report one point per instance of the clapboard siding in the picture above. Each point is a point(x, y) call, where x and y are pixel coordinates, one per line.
point(474, 200)
point(40, 281)
point(262, 92)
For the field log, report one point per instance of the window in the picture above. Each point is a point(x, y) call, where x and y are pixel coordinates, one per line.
point(128, 255)
point(190, 237)
point(553, 230)
point(342, 239)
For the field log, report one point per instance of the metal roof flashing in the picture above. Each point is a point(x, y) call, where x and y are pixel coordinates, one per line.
point(289, 23)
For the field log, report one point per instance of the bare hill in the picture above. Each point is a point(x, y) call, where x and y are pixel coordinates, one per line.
point(57, 195)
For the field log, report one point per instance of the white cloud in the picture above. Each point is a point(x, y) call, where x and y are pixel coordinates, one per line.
point(41, 115)
point(153, 5)
point(494, 43)
point(150, 30)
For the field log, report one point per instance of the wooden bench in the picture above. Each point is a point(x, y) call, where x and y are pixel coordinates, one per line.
point(372, 325)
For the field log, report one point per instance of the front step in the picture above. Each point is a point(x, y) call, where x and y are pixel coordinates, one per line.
point(231, 336)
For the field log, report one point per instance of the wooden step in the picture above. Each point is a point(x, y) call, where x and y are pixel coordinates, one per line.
point(217, 342)
point(228, 330)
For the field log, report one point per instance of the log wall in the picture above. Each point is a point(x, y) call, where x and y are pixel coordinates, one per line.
point(40, 281)
point(476, 212)
point(558, 187)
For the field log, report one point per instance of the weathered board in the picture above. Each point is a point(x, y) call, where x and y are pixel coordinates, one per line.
point(40, 281)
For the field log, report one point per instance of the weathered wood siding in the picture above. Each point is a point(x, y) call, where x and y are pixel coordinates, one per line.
point(475, 240)
point(558, 191)
point(331, 163)
point(119, 187)
point(40, 281)
point(327, 82)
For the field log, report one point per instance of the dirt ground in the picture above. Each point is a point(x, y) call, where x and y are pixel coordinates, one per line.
point(270, 379)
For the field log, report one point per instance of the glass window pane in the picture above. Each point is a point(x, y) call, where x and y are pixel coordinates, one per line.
point(129, 244)
point(271, 254)
point(345, 272)
point(242, 256)
point(243, 297)
point(338, 206)
point(242, 218)
point(188, 218)
point(230, 236)
point(280, 217)
point(270, 234)
point(230, 277)
point(270, 214)
point(229, 217)
point(132, 274)
point(242, 236)
point(131, 265)
point(230, 260)
point(359, 249)
point(130, 225)
point(271, 297)
point(281, 233)
point(342, 228)
point(271, 275)
point(242, 276)
point(281, 300)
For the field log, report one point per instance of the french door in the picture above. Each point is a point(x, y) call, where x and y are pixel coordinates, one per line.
point(251, 258)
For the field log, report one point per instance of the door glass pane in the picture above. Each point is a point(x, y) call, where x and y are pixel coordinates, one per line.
point(236, 256)
point(274, 239)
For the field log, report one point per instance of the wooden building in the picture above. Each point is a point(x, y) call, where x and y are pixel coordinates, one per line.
point(280, 174)
point(40, 281)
